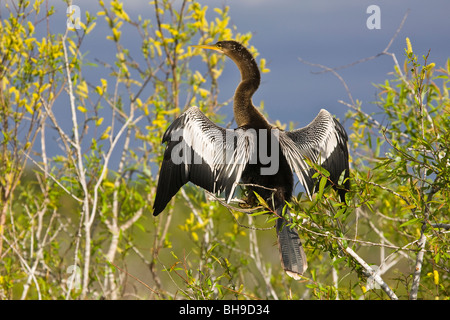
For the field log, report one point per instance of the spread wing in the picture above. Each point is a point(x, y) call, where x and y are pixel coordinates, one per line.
point(203, 153)
point(324, 142)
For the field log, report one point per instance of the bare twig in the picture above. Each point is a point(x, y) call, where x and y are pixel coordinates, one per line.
point(135, 278)
point(332, 70)
point(231, 208)
point(445, 226)
point(418, 267)
point(53, 178)
point(79, 166)
point(373, 274)
point(260, 265)
point(25, 265)
point(421, 253)
point(389, 190)
point(360, 242)
point(384, 52)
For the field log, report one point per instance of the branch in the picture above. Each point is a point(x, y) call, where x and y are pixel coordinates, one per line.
point(445, 226)
point(25, 265)
point(332, 70)
point(260, 265)
point(408, 156)
point(53, 178)
point(381, 235)
point(81, 175)
point(372, 274)
point(384, 52)
point(421, 253)
point(418, 267)
point(327, 234)
point(137, 279)
point(231, 208)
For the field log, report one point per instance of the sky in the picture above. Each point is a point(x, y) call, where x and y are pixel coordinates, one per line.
point(335, 33)
point(327, 32)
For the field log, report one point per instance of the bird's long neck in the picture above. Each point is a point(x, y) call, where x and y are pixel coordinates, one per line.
point(245, 112)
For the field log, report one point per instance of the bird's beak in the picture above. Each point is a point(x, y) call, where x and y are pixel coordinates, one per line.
point(207, 47)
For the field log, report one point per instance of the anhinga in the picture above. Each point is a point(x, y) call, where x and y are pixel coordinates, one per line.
point(217, 159)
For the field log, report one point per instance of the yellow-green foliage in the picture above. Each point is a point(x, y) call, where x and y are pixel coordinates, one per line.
point(78, 224)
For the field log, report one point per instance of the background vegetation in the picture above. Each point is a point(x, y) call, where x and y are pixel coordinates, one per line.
point(78, 225)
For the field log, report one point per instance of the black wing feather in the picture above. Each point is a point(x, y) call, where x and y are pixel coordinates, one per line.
point(323, 141)
point(197, 151)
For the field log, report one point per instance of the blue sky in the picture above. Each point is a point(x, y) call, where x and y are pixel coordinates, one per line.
point(334, 33)
point(327, 32)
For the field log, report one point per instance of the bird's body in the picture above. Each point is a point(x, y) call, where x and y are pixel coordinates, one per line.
point(255, 153)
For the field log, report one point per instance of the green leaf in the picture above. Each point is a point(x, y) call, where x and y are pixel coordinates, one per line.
point(173, 254)
point(261, 200)
point(338, 261)
point(212, 248)
point(410, 222)
point(259, 213)
point(323, 182)
point(339, 212)
point(315, 175)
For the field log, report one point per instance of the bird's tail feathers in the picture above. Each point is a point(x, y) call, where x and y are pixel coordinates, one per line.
point(293, 257)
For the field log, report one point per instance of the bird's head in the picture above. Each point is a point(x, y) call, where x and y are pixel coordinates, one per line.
point(231, 48)
point(240, 55)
